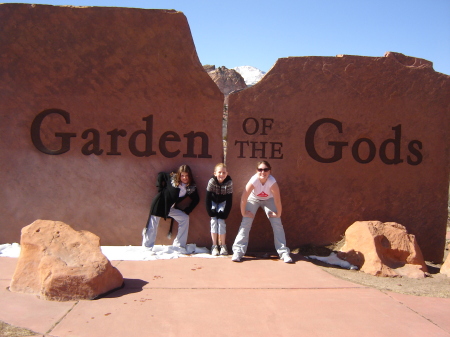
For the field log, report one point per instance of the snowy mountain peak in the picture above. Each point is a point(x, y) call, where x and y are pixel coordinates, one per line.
point(250, 74)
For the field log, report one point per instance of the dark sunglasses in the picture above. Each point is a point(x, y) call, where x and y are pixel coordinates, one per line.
point(264, 169)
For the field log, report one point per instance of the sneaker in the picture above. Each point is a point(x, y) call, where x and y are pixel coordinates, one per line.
point(236, 257)
point(179, 250)
point(223, 250)
point(286, 258)
point(149, 250)
point(214, 250)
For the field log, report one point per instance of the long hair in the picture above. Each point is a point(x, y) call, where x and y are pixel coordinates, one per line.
point(186, 169)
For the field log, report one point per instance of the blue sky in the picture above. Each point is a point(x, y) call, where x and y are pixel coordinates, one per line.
point(247, 32)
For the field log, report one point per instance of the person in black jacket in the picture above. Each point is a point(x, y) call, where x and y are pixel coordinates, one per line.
point(177, 197)
point(219, 197)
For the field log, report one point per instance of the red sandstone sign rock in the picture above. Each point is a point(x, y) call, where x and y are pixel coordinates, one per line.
point(383, 249)
point(94, 103)
point(349, 138)
point(61, 264)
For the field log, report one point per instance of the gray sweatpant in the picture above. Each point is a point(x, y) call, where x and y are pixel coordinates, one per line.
point(218, 225)
point(241, 242)
point(149, 237)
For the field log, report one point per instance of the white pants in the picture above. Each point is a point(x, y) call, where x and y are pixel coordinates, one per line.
point(149, 237)
point(218, 225)
point(241, 242)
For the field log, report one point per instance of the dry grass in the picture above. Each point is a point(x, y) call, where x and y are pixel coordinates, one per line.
point(7, 330)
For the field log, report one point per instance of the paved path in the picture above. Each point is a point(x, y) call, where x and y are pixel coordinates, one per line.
point(216, 297)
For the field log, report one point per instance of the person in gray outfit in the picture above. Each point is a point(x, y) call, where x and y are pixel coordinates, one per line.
point(261, 191)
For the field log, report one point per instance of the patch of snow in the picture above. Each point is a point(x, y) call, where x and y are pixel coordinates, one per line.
point(250, 74)
point(131, 253)
point(334, 260)
point(10, 250)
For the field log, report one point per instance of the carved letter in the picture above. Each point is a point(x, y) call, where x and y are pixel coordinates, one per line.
point(168, 136)
point(372, 150)
point(148, 134)
point(254, 149)
point(36, 132)
point(95, 142)
point(241, 142)
point(396, 143)
point(265, 125)
point(244, 126)
point(276, 147)
point(310, 146)
point(415, 151)
point(190, 145)
point(114, 140)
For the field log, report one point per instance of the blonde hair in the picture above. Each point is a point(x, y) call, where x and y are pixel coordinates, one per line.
point(219, 165)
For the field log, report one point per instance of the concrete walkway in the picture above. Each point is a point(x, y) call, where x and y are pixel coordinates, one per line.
point(216, 297)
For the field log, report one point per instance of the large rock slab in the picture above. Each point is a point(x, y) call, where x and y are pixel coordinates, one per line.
point(94, 103)
point(349, 138)
point(61, 264)
point(383, 249)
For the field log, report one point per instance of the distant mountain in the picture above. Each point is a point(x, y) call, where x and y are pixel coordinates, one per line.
point(250, 74)
point(227, 80)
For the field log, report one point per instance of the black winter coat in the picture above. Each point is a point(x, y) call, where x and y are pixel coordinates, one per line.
point(168, 195)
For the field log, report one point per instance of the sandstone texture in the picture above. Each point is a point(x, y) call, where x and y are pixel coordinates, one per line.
point(228, 80)
point(61, 264)
point(445, 268)
point(383, 249)
point(125, 90)
point(349, 138)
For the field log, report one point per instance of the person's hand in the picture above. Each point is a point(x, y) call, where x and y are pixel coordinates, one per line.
point(248, 214)
point(273, 215)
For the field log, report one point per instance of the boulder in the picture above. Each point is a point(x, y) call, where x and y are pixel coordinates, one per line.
point(445, 268)
point(383, 249)
point(61, 264)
